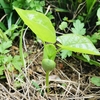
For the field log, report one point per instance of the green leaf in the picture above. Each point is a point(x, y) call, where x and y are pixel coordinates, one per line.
point(19, 3)
point(17, 63)
point(95, 80)
point(98, 14)
point(7, 59)
point(35, 84)
point(3, 36)
point(94, 38)
point(6, 7)
point(98, 23)
point(78, 28)
point(2, 70)
point(89, 5)
point(17, 84)
point(86, 57)
point(39, 24)
point(60, 10)
point(49, 51)
point(77, 43)
point(50, 15)
point(65, 53)
point(4, 46)
point(2, 26)
point(91, 62)
point(63, 25)
point(11, 30)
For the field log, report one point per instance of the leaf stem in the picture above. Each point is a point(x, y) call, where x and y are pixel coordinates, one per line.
point(59, 49)
point(47, 81)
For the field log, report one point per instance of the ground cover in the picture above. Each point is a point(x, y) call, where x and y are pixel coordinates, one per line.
point(75, 77)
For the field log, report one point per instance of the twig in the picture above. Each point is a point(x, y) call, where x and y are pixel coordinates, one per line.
point(24, 39)
point(3, 17)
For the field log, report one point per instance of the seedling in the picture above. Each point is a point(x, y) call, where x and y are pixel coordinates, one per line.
point(48, 62)
point(43, 28)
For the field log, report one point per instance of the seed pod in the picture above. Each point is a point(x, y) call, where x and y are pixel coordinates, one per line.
point(48, 64)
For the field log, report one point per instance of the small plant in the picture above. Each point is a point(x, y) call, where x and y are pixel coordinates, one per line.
point(43, 28)
point(48, 62)
point(7, 62)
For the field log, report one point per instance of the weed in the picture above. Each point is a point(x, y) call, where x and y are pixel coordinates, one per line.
point(43, 28)
point(8, 62)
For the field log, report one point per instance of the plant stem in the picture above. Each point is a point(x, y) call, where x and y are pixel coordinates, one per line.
point(59, 50)
point(47, 81)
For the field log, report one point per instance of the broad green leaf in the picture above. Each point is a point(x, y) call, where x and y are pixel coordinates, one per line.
point(95, 80)
point(78, 28)
point(39, 24)
point(77, 43)
point(49, 51)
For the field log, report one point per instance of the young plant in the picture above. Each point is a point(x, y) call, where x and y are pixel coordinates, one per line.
point(43, 28)
point(48, 62)
point(7, 62)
